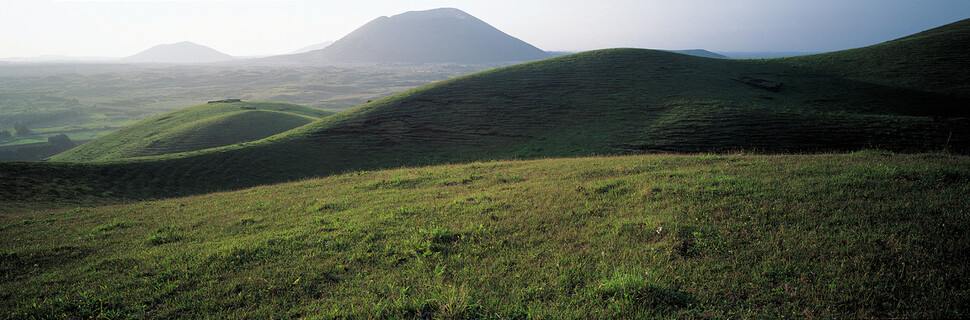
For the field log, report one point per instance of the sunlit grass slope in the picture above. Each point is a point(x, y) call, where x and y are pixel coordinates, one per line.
point(858, 235)
point(196, 128)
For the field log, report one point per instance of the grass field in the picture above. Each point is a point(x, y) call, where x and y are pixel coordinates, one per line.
point(867, 234)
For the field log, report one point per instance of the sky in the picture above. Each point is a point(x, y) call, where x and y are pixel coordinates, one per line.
point(118, 28)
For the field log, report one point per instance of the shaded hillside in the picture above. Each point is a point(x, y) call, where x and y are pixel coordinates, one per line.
point(196, 128)
point(735, 236)
point(935, 60)
point(182, 52)
point(700, 53)
point(433, 36)
point(37, 151)
point(617, 101)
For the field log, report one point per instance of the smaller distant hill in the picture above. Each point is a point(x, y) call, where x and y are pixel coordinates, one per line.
point(766, 54)
point(196, 128)
point(443, 35)
point(181, 52)
point(309, 48)
point(700, 53)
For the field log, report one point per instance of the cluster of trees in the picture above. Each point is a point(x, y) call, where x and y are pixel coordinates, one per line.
point(21, 129)
point(37, 151)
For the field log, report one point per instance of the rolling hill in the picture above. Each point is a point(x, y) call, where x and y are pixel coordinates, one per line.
point(700, 53)
point(196, 128)
point(181, 52)
point(434, 36)
point(935, 60)
point(619, 101)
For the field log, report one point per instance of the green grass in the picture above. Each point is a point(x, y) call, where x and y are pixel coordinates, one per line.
point(867, 234)
point(196, 128)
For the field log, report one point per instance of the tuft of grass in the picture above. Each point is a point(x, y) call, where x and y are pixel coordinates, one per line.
point(163, 235)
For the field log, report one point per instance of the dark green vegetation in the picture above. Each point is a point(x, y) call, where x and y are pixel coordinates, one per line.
point(859, 235)
point(37, 151)
point(931, 61)
point(196, 128)
point(434, 36)
point(89, 101)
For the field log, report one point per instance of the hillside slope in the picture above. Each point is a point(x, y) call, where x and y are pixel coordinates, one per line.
point(618, 101)
point(196, 128)
point(434, 36)
point(935, 60)
point(736, 236)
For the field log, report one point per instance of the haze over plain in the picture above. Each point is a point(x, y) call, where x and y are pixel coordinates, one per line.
point(268, 27)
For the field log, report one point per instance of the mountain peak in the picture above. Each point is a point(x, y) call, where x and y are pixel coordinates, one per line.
point(445, 35)
point(433, 14)
point(179, 52)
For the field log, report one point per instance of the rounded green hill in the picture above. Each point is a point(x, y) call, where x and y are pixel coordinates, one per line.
point(196, 128)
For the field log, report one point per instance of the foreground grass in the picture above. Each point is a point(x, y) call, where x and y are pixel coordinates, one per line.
point(858, 235)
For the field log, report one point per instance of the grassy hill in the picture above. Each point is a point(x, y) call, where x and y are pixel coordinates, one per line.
point(619, 101)
point(935, 60)
point(717, 236)
point(196, 128)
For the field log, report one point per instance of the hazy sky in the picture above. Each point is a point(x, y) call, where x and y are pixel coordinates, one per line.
point(116, 28)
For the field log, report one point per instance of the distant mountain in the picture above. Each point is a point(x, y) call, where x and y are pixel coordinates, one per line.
point(56, 58)
point(700, 53)
point(182, 52)
point(434, 36)
point(313, 47)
